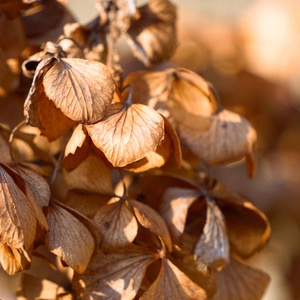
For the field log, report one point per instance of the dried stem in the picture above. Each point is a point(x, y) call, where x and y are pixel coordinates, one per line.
point(123, 182)
point(11, 137)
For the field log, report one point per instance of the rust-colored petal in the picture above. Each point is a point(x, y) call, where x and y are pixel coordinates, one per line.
point(81, 89)
point(150, 219)
point(68, 238)
point(113, 276)
point(127, 133)
point(238, 281)
point(117, 225)
point(172, 283)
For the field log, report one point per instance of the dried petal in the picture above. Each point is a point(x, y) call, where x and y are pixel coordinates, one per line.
point(238, 281)
point(173, 284)
point(17, 223)
point(81, 89)
point(150, 219)
point(117, 225)
point(152, 159)
point(13, 260)
point(212, 249)
point(36, 183)
point(174, 208)
point(152, 35)
point(113, 276)
point(247, 227)
point(190, 100)
point(91, 175)
point(127, 133)
point(32, 287)
point(76, 140)
point(148, 87)
point(53, 123)
point(85, 202)
point(229, 138)
point(68, 238)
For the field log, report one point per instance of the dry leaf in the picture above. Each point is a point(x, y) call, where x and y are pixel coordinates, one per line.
point(18, 219)
point(212, 249)
point(150, 219)
point(81, 89)
point(127, 133)
point(69, 238)
point(229, 138)
point(174, 208)
point(152, 35)
point(114, 276)
point(91, 175)
point(13, 260)
point(32, 288)
point(173, 284)
point(238, 281)
point(117, 225)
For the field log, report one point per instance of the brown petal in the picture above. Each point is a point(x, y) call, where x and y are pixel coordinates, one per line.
point(85, 202)
point(13, 260)
point(81, 89)
point(174, 208)
point(148, 87)
point(91, 175)
point(53, 123)
point(113, 276)
point(68, 238)
point(212, 249)
point(238, 281)
point(152, 159)
point(35, 92)
point(36, 183)
point(17, 223)
point(229, 138)
point(127, 133)
point(32, 287)
point(190, 100)
point(173, 284)
point(175, 142)
point(150, 219)
point(5, 156)
point(76, 140)
point(153, 35)
point(247, 227)
point(117, 225)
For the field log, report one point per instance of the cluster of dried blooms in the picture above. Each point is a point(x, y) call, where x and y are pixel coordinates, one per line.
point(121, 192)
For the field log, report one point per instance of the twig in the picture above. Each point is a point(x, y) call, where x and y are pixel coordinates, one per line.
point(11, 137)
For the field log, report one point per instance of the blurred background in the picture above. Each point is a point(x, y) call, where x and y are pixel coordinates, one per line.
point(250, 51)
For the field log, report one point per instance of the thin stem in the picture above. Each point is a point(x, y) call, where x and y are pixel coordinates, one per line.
point(11, 137)
point(123, 182)
point(129, 97)
point(57, 167)
point(110, 50)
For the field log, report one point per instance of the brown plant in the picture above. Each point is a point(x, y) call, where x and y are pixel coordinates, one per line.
point(120, 190)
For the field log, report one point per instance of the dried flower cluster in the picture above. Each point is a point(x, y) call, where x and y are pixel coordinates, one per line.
point(120, 190)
